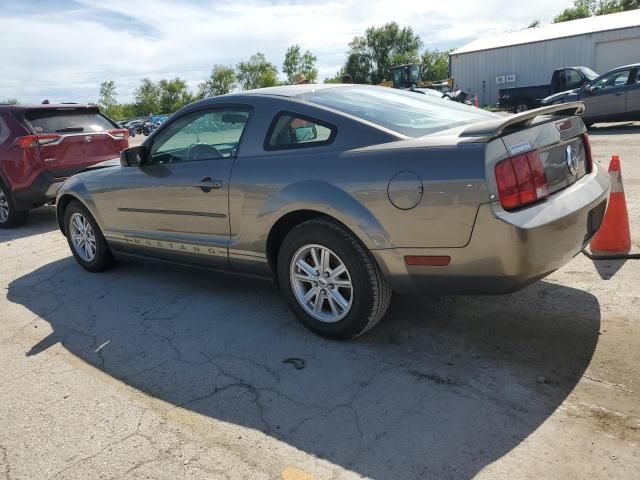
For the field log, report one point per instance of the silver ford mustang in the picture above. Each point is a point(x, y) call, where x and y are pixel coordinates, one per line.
point(345, 194)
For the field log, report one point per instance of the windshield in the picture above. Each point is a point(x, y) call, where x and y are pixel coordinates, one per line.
point(408, 113)
point(588, 73)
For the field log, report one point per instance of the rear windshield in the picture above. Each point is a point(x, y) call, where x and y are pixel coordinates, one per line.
point(405, 112)
point(68, 121)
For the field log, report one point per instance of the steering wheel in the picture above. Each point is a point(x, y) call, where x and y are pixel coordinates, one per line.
point(202, 151)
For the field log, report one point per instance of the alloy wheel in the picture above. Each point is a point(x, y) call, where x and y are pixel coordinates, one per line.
point(4, 207)
point(321, 283)
point(82, 237)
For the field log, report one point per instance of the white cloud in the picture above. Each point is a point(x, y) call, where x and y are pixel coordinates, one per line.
point(65, 55)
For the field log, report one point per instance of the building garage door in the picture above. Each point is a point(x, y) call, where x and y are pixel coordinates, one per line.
point(616, 53)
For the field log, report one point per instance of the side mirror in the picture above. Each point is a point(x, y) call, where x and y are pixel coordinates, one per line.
point(134, 157)
point(588, 88)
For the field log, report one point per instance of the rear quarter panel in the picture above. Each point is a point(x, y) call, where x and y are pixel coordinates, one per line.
point(348, 180)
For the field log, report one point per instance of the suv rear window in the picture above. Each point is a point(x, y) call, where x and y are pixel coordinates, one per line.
point(68, 121)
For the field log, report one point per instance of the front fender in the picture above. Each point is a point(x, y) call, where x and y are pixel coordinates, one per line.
point(74, 188)
point(325, 198)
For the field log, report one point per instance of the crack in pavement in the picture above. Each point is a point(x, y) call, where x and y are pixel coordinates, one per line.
point(5, 460)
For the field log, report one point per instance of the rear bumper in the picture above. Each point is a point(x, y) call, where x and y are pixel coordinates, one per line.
point(44, 189)
point(508, 250)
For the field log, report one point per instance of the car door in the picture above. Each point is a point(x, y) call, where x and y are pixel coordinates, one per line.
point(606, 98)
point(176, 205)
point(633, 97)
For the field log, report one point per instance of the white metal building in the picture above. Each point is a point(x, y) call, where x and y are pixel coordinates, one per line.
point(528, 57)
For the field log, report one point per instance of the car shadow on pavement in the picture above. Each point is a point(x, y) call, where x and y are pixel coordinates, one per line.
point(443, 387)
point(41, 220)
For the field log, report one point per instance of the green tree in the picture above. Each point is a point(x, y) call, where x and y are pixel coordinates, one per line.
point(629, 4)
point(580, 9)
point(371, 56)
point(257, 72)
point(107, 96)
point(535, 23)
point(435, 65)
point(337, 78)
point(587, 8)
point(174, 94)
point(297, 62)
point(123, 111)
point(222, 80)
point(572, 13)
point(147, 97)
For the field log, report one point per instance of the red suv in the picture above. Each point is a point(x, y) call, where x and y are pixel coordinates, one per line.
point(42, 145)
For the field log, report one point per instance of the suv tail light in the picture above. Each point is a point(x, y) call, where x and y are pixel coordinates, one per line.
point(521, 180)
point(33, 140)
point(587, 151)
point(119, 133)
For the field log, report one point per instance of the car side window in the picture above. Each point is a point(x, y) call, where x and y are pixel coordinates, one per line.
point(4, 130)
point(289, 130)
point(617, 79)
point(202, 135)
point(573, 78)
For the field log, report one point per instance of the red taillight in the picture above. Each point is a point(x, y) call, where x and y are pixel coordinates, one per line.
point(46, 139)
point(521, 180)
point(32, 140)
point(587, 151)
point(119, 133)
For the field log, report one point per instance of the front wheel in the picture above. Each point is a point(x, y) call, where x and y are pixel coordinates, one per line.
point(10, 216)
point(332, 283)
point(521, 107)
point(85, 239)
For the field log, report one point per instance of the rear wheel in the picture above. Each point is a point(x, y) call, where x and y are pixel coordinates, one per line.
point(85, 239)
point(332, 283)
point(10, 216)
point(521, 107)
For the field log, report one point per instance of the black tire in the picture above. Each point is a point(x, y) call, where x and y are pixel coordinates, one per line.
point(370, 294)
point(10, 217)
point(103, 258)
point(521, 107)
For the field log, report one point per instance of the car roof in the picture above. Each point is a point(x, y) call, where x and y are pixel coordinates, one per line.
point(623, 67)
point(293, 90)
point(48, 106)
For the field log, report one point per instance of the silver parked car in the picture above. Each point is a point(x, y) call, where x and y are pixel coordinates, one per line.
point(345, 194)
point(612, 97)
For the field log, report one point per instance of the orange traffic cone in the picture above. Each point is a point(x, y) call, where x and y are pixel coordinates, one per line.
point(476, 102)
point(614, 237)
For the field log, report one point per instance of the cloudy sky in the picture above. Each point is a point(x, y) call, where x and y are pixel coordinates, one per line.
point(62, 50)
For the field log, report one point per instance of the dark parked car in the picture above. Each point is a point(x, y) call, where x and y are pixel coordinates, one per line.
point(612, 97)
point(41, 145)
point(345, 193)
point(521, 99)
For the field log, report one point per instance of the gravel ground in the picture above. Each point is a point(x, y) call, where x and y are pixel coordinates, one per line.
point(156, 372)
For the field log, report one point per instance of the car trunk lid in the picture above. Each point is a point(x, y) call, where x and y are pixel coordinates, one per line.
point(71, 138)
point(562, 147)
point(543, 151)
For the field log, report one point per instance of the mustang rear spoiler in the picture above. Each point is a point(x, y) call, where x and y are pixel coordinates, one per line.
point(494, 128)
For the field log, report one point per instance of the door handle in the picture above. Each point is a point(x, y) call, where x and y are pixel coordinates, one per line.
point(207, 184)
point(619, 93)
